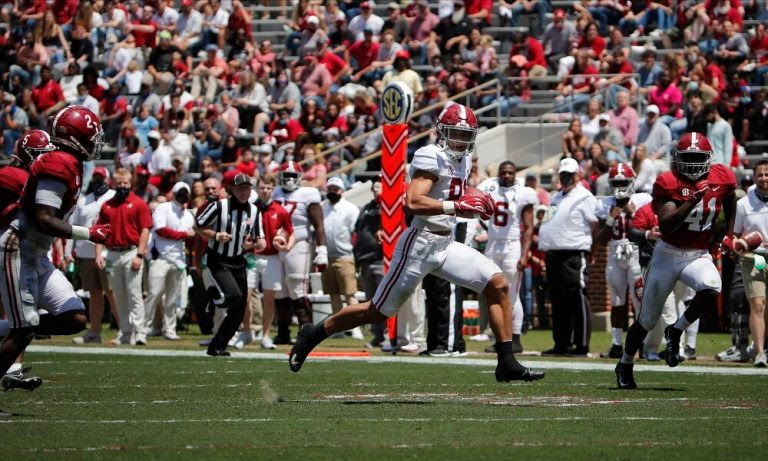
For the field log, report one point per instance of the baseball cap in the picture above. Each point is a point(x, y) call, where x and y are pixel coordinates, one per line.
point(101, 171)
point(263, 148)
point(365, 5)
point(559, 13)
point(340, 17)
point(336, 181)
point(241, 179)
point(313, 20)
point(141, 171)
point(179, 186)
point(404, 54)
point(165, 35)
point(187, 2)
point(652, 109)
point(153, 134)
point(568, 165)
point(211, 47)
point(393, 6)
point(603, 117)
point(228, 177)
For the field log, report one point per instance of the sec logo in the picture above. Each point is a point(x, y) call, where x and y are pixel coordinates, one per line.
point(397, 103)
point(685, 192)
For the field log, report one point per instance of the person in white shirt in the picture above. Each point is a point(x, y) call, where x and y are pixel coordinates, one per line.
point(566, 235)
point(92, 279)
point(339, 218)
point(165, 16)
point(86, 100)
point(365, 20)
point(510, 231)
point(160, 158)
point(215, 24)
point(189, 25)
point(172, 225)
point(752, 216)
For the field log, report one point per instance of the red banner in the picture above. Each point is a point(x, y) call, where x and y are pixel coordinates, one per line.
point(393, 148)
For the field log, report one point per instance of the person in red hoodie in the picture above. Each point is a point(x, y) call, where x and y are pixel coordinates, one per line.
point(533, 52)
point(284, 128)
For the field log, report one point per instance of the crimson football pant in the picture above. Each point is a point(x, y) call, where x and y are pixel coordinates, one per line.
point(567, 275)
point(230, 277)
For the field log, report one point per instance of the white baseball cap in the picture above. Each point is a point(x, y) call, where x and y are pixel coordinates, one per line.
point(652, 109)
point(336, 181)
point(179, 186)
point(568, 165)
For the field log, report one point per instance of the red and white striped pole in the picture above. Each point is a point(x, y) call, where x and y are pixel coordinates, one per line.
point(397, 108)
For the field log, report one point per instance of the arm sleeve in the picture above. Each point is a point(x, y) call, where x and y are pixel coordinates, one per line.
point(50, 192)
point(588, 207)
point(209, 215)
point(168, 233)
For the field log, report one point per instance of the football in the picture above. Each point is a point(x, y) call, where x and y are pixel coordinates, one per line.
point(470, 191)
point(748, 242)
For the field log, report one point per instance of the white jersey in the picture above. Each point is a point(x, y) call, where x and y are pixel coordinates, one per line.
point(510, 202)
point(297, 204)
point(620, 231)
point(451, 179)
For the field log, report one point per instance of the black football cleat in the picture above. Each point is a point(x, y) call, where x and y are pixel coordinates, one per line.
point(214, 352)
point(672, 355)
point(305, 342)
point(283, 340)
point(505, 374)
point(615, 352)
point(625, 377)
point(21, 380)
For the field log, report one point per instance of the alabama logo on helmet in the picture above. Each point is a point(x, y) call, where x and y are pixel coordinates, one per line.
point(78, 130)
point(692, 156)
point(621, 178)
point(32, 144)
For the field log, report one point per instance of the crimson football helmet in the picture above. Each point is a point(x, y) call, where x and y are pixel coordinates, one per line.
point(457, 126)
point(289, 176)
point(32, 144)
point(621, 178)
point(78, 130)
point(692, 156)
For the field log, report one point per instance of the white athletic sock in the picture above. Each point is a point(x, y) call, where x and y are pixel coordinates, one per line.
point(691, 332)
point(617, 334)
point(682, 323)
point(628, 359)
point(14, 368)
point(5, 327)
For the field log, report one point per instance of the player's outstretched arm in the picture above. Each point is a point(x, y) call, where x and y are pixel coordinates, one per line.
point(417, 202)
point(47, 223)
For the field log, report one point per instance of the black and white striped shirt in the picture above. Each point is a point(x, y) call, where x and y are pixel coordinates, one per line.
point(235, 218)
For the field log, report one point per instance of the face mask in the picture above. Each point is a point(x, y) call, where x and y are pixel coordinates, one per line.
point(282, 81)
point(604, 129)
point(182, 197)
point(288, 158)
point(317, 131)
point(333, 197)
point(100, 187)
point(723, 10)
point(692, 58)
point(566, 180)
point(693, 86)
point(211, 197)
point(283, 122)
point(746, 99)
point(121, 193)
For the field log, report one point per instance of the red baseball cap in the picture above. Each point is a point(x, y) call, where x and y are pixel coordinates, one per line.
point(403, 54)
point(365, 5)
point(101, 171)
point(559, 13)
point(141, 171)
point(187, 2)
point(229, 177)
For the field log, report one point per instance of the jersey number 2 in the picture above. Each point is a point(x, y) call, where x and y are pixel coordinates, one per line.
point(702, 215)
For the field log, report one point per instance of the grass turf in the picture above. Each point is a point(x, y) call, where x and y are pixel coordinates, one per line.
point(125, 407)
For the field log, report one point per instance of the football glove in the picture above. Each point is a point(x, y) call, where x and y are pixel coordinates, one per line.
point(321, 258)
point(99, 233)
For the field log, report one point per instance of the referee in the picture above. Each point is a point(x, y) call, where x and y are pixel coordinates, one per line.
point(232, 227)
point(566, 235)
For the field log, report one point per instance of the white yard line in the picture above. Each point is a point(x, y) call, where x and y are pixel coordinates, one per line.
point(576, 365)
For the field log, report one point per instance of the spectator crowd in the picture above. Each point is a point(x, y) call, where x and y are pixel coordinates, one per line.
point(191, 92)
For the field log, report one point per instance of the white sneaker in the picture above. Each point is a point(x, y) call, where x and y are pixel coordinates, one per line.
point(171, 336)
point(760, 360)
point(267, 343)
point(245, 337)
point(411, 347)
point(357, 333)
point(482, 337)
point(88, 338)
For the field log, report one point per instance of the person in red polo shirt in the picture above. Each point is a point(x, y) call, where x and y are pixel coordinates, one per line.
point(144, 30)
point(364, 52)
point(47, 97)
point(129, 216)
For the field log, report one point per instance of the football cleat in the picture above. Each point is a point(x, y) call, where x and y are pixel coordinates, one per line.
point(214, 352)
point(689, 353)
point(672, 356)
point(305, 342)
point(615, 352)
point(504, 374)
point(732, 354)
point(625, 376)
point(21, 380)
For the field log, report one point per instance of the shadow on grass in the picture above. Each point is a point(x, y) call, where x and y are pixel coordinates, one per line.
point(659, 389)
point(386, 402)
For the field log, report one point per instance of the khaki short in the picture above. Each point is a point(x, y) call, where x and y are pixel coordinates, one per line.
point(339, 278)
point(91, 277)
point(754, 280)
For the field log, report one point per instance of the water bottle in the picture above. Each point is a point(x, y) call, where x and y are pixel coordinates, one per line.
point(71, 267)
point(108, 267)
point(250, 261)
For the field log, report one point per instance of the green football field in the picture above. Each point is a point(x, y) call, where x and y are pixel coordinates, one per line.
point(100, 402)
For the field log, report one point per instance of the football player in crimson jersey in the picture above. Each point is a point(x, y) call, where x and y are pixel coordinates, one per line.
point(12, 180)
point(303, 204)
point(435, 197)
point(687, 201)
point(30, 281)
point(623, 268)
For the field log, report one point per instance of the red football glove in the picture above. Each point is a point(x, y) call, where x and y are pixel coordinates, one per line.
point(695, 195)
point(99, 233)
point(490, 206)
point(469, 206)
point(728, 243)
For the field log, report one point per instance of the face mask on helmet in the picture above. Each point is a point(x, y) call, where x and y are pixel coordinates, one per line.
point(622, 188)
point(289, 180)
point(692, 164)
point(457, 141)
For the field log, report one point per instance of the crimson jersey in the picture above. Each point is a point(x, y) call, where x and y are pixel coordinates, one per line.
point(696, 231)
point(12, 180)
point(645, 218)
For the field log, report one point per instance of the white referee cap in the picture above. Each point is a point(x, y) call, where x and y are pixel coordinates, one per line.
point(568, 165)
point(336, 181)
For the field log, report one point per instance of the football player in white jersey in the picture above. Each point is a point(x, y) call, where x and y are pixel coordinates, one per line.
point(435, 196)
point(303, 204)
point(508, 245)
point(623, 267)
